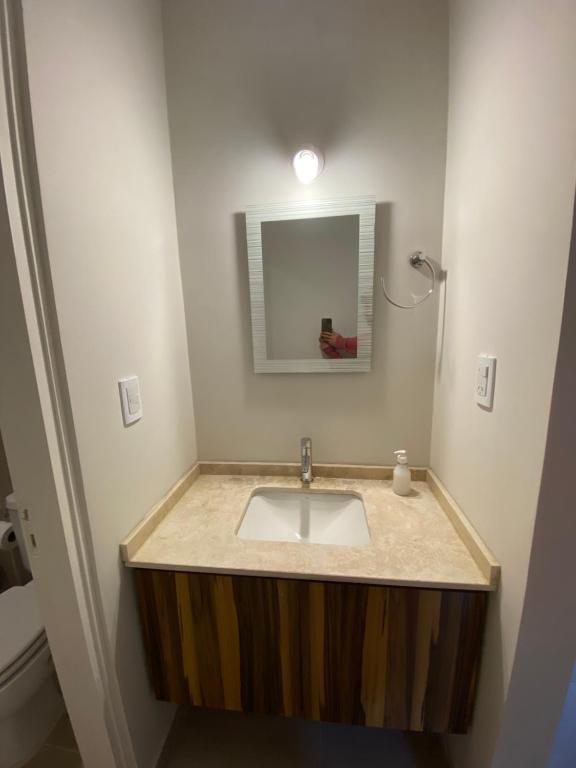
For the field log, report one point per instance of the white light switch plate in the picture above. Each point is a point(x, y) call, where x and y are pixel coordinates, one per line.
point(130, 399)
point(485, 378)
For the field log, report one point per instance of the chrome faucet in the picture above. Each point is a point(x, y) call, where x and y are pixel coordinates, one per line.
point(306, 460)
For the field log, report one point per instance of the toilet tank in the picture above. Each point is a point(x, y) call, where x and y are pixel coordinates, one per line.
point(16, 520)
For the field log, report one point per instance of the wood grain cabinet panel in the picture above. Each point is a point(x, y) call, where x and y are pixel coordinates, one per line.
point(393, 657)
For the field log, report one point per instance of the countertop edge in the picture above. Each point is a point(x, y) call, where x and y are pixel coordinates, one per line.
point(336, 577)
point(143, 530)
point(474, 543)
point(293, 469)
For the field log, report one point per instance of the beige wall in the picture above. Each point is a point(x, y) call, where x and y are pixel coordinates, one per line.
point(511, 167)
point(247, 83)
point(100, 128)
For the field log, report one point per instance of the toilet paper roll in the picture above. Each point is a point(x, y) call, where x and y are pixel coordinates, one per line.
point(7, 536)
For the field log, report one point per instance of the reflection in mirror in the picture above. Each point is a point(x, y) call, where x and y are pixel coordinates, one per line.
point(310, 287)
point(311, 270)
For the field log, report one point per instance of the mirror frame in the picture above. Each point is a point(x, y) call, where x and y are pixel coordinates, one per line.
point(365, 209)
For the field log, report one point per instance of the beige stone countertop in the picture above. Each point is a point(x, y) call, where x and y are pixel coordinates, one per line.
point(413, 542)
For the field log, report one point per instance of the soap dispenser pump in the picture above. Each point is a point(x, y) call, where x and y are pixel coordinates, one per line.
point(401, 477)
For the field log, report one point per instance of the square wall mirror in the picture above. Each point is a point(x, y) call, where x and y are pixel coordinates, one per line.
point(311, 269)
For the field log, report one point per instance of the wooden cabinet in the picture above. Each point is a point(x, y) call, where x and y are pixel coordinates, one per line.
point(392, 657)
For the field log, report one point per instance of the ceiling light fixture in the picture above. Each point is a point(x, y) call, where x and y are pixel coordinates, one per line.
point(308, 164)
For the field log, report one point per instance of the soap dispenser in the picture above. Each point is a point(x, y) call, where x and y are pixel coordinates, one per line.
point(401, 477)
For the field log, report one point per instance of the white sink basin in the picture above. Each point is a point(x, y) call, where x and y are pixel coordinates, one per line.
point(306, 516)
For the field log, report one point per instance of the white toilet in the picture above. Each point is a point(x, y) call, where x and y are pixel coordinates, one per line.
point(30, 702)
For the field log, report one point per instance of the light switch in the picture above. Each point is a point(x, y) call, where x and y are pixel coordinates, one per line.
point(485, 377)
point(482, 380)
point(133, 396)
point(130, 399)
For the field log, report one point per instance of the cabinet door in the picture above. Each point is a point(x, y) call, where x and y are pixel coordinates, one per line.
point(393, 657)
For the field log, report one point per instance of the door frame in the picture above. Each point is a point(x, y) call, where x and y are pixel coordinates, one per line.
point(39, 434)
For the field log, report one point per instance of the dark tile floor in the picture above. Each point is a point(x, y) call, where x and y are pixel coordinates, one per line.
point(202, 739)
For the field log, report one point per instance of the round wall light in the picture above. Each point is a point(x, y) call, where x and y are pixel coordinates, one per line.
point(308, 164)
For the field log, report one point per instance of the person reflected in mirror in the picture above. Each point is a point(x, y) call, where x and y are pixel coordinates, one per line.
point(333, 345)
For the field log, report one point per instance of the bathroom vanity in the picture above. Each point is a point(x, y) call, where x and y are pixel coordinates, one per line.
point(384, 633)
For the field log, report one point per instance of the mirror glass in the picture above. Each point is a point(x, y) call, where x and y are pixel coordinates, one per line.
point(311, 285)
point(310, 275)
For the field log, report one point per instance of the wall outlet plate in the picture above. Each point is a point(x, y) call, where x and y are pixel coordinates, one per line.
point(130, 399)
point(485, 378)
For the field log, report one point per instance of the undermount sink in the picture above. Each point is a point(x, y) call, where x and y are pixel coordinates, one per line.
point(305, 516)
